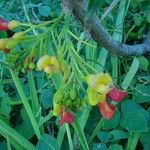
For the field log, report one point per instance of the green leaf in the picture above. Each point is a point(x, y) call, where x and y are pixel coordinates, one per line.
point(100, 146)
point(131, 73)
point(3, 34)
point(148, 17)
point(80, 133)
point(46, 98)
point(3, 146)
point(25, 128)
point(138, 20)
point(142, 93)
point(2, 93)
point(115, 147)
point(60, 136)
point(44, 11)
point(134, 121)
point(104, 136)
point(144, 63)
point(132, 106)
point(144, 138)
point(110, 124)
point(33, 93)
point(102, 59)
point(93, 6)
point(25, 103)
point(7, 130)
point(5, 107)
point(47, 142)
point(118, 134)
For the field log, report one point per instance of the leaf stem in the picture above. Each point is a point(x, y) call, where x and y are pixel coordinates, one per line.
point(132, 141)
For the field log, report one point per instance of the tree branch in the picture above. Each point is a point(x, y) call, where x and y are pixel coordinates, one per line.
point(100, 35)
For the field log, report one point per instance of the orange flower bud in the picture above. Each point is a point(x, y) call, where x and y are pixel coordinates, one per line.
point(3, 25)
point(107, 110)
point(66, 117)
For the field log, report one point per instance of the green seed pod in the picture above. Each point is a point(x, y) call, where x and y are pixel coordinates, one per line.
point(68, 103)
point(79, 102)
point(73, 94)
point(18, 36)
point(58, 97)
point(56, 109)
point(12, 43)
point(64, 65)
point(31, 65)
point(66, 94)
point(3, 43)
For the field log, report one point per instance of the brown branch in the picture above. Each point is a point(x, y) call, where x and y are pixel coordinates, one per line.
point(100, 35)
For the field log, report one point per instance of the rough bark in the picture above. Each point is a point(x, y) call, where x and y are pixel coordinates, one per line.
point(99, 33)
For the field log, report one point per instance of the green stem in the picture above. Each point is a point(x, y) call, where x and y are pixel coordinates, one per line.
point(69, 136)
point(96, 130)
point(26, 104)
point(132, 141)
point(80, 134)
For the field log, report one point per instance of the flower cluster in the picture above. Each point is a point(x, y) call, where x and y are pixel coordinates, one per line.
point(6, 26)
point(101, 87)
point(6, 44)
point(65, 103)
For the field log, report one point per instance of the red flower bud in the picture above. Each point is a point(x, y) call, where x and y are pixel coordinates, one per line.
point(107, 110)
point(66, 117)
point(3, 25)
point(116, 94)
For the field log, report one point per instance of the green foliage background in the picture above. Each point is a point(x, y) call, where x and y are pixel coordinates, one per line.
point(130, 126)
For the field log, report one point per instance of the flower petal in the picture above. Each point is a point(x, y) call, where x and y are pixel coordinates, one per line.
point(116, 94)
point(56, 109)
point(101, 82)
point(94, 98)
point(43, 62)
point(107, 110)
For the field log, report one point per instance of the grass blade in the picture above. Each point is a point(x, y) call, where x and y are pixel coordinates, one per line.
point(132, 71)
point(60, 135)
point(96, 130)
point(6, 129)
point(26, 104)
point(69, 136)
point(81, 135)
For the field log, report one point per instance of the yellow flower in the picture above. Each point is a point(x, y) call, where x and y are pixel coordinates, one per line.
point(48, 63)
point(94, 97)
point(101, 83)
